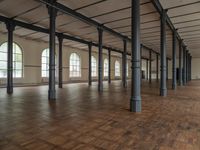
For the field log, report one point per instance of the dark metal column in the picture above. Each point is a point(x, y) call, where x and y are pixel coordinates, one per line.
point(109, 66)
point(52, 90)
point(190, 67)
point(184, 65)
point(60, 77)
point(174, 85)
point(150, 65)
point(147, 69)
point(10, 27)
point(187, 65)
point(167, 71)
point(163, 86)
point(90, 64)
point(180, 63)
point(100, 77)
point(124, 61)
point(157, 58)
point(135, 102)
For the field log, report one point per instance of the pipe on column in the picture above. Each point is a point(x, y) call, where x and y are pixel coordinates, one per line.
point(60, 77)
point(52, 13)
point(157, 67)
point(174, 85)
point(180, 63)
point(10, 27)
point(109, 66)
point(163, 86)
point(190, 67)
point(167, 61)
point(124, 62)
point(89, 64)
point(147, 69)
point(187, 65)
point(100, 70)
point(150, 65)
point(184, 65)
point(135, 102)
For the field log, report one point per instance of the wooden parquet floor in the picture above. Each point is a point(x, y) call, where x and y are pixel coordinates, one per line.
point(83, 119)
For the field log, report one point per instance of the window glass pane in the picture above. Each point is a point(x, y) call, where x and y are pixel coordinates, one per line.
point(17, 57)
point(106, 67)
point(18, 65)
point(3, 56)
point(127, 69)
point(75, 69)
point(117, 68)
point(94, 66)
point(3, 65)
point(3, 48)
point(17, 60)
point(3, 73)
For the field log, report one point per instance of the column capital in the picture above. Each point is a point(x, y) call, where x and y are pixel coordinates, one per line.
point(49, 8)
point(10, 25)
point(60, 37)
point(100, 28)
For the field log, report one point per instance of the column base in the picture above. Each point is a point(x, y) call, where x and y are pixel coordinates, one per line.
point(52, 94)
point(125, 85)
point(100, 88)
point(163, 92)
point(9, 90)
point(60, 86)
point(135, 104)
point(174, 87)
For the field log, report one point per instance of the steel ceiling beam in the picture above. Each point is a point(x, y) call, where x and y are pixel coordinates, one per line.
point(43, 30)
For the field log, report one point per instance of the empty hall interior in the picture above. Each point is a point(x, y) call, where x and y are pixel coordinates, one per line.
point(99, 75)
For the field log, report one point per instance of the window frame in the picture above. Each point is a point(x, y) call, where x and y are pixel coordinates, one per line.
point(117, 69)
point(105, 68)
point(46, 64)
point(93, 66)
point(74, 65)
point(14, 61)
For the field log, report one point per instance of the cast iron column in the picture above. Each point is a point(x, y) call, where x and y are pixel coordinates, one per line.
point(60, 77)
point(135, 102)
point(10, 27)
point(109, 66)
point(100, 76)
point(174, 61)
point(184, 65)
point(167, 60)
point(90, 64)
point(52, 13)
point(191, 67)
point(150, 65)
point(180, 63)
point(147, 69)
point(124, 60)
point(163, 86)
point(187, 65)
point(157, 57)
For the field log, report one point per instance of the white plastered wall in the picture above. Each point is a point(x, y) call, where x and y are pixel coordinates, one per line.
point(32, 51)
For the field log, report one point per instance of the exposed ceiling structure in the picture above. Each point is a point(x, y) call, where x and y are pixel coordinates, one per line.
point(114, 14)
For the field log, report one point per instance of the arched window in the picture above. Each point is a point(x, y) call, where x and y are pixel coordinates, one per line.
point(45, 63)
point(74, 65)
point(105, 65)
point(94, 66)
point(17, 61)
point(117, 69)
point(127, 69)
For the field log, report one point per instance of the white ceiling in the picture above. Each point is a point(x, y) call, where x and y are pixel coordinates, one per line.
point(114, 14)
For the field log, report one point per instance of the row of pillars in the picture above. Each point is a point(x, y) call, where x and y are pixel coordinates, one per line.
point(135, 101)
